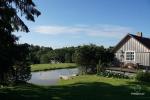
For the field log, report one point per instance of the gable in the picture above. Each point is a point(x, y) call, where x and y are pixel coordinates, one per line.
point(129, 42)
point(142, 40)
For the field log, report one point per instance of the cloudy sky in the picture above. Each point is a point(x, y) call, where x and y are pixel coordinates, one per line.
point(77, 22)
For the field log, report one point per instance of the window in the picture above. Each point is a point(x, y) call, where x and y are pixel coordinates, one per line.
point(130, 55)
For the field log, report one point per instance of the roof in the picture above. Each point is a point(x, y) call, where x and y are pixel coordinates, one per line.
point(143, 40)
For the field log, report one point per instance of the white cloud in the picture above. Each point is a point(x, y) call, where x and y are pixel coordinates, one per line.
point(94, 30)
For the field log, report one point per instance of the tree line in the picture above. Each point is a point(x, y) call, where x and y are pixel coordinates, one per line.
point(39, 55)
point(88, 56)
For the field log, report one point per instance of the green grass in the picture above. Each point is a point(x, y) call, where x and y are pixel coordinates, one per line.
point(42, 67)
point(86, 87)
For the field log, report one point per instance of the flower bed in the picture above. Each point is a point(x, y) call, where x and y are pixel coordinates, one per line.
point(113, 74)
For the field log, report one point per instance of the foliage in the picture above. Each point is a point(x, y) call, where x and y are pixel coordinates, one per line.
point(7, 44)
point(10, 22)
point(33, 54)
point(68, 57)
point(36, 53)
point(88, 56)
point(143, 76)
point(92, 53)
point(44, 59)
point(21, 68)
point(61, 55)
point(9, 19)
point(21, 72)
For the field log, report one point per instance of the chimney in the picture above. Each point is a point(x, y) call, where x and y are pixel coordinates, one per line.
point(139, 34)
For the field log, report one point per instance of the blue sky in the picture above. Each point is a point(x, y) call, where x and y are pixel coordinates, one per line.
point(77, 22)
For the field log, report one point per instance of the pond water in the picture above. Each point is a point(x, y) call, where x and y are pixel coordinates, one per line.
point(50, 77)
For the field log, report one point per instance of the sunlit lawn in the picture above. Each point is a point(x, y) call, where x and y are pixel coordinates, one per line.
point(41, 67)
point(86, 87)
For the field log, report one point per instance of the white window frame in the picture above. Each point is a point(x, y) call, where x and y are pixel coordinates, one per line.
point(126, 55)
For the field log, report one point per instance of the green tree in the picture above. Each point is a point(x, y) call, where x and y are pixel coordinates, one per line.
point(44, 59)
point(85, 57)
point(10, 22)
point(34, 58)
point(68, 57)
point(21, 68)
point(88, 57)
point(7, 43)
point(36, 52)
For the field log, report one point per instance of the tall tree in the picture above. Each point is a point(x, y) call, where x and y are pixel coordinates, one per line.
point(88, 56)
point(10, 22)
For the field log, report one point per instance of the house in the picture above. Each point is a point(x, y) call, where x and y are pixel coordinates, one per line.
point(133, 50)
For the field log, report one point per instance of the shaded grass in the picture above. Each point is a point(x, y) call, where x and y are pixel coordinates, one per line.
point(87, 87)
point(44, 67)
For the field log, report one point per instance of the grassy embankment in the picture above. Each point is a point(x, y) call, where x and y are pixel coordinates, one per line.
point(43, 67)
point(86, 87)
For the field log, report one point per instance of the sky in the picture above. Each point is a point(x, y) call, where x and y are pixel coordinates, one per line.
point(65, 23)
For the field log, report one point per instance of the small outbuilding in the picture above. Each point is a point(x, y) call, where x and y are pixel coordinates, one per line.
point(133, 50)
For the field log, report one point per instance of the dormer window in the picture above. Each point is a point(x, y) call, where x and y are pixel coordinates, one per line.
point(130, 55)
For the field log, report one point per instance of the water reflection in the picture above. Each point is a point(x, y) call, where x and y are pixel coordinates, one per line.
point(50, 77)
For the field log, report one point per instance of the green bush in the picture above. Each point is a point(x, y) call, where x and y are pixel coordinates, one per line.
point(143, 76)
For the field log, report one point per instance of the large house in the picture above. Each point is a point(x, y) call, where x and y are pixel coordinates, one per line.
point(133, 50)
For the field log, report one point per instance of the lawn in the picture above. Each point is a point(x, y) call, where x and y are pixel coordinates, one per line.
point(41, 67)
point(86, 87)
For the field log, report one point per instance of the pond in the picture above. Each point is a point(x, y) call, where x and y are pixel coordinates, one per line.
point(50, 77)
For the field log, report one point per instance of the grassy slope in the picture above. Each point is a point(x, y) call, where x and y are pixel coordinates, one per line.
point(87, 87)
point(41, 67)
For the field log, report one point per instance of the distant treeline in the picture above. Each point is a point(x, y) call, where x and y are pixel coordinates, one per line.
point(48, 55)
point(42, 54)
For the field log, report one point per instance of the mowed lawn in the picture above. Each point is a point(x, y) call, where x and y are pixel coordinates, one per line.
point(42, 67)
point(86, 87)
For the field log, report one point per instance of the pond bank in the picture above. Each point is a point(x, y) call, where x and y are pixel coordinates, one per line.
point(45, 67)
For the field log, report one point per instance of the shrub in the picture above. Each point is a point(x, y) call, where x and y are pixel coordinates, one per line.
point(143, 76)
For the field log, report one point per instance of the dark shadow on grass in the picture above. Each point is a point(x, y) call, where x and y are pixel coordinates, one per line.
point(145, 87)
point(78, 91)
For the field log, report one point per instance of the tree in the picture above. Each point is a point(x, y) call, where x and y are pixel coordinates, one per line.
point(7, 43)
point(44, 59)
point(10, 22)
point(68, 58)
point(21, 68)
point(9, 19)
point(85, 56)
point(90, 56)
point(35, 53)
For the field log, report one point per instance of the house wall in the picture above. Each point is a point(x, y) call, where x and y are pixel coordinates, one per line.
point(142, 54)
